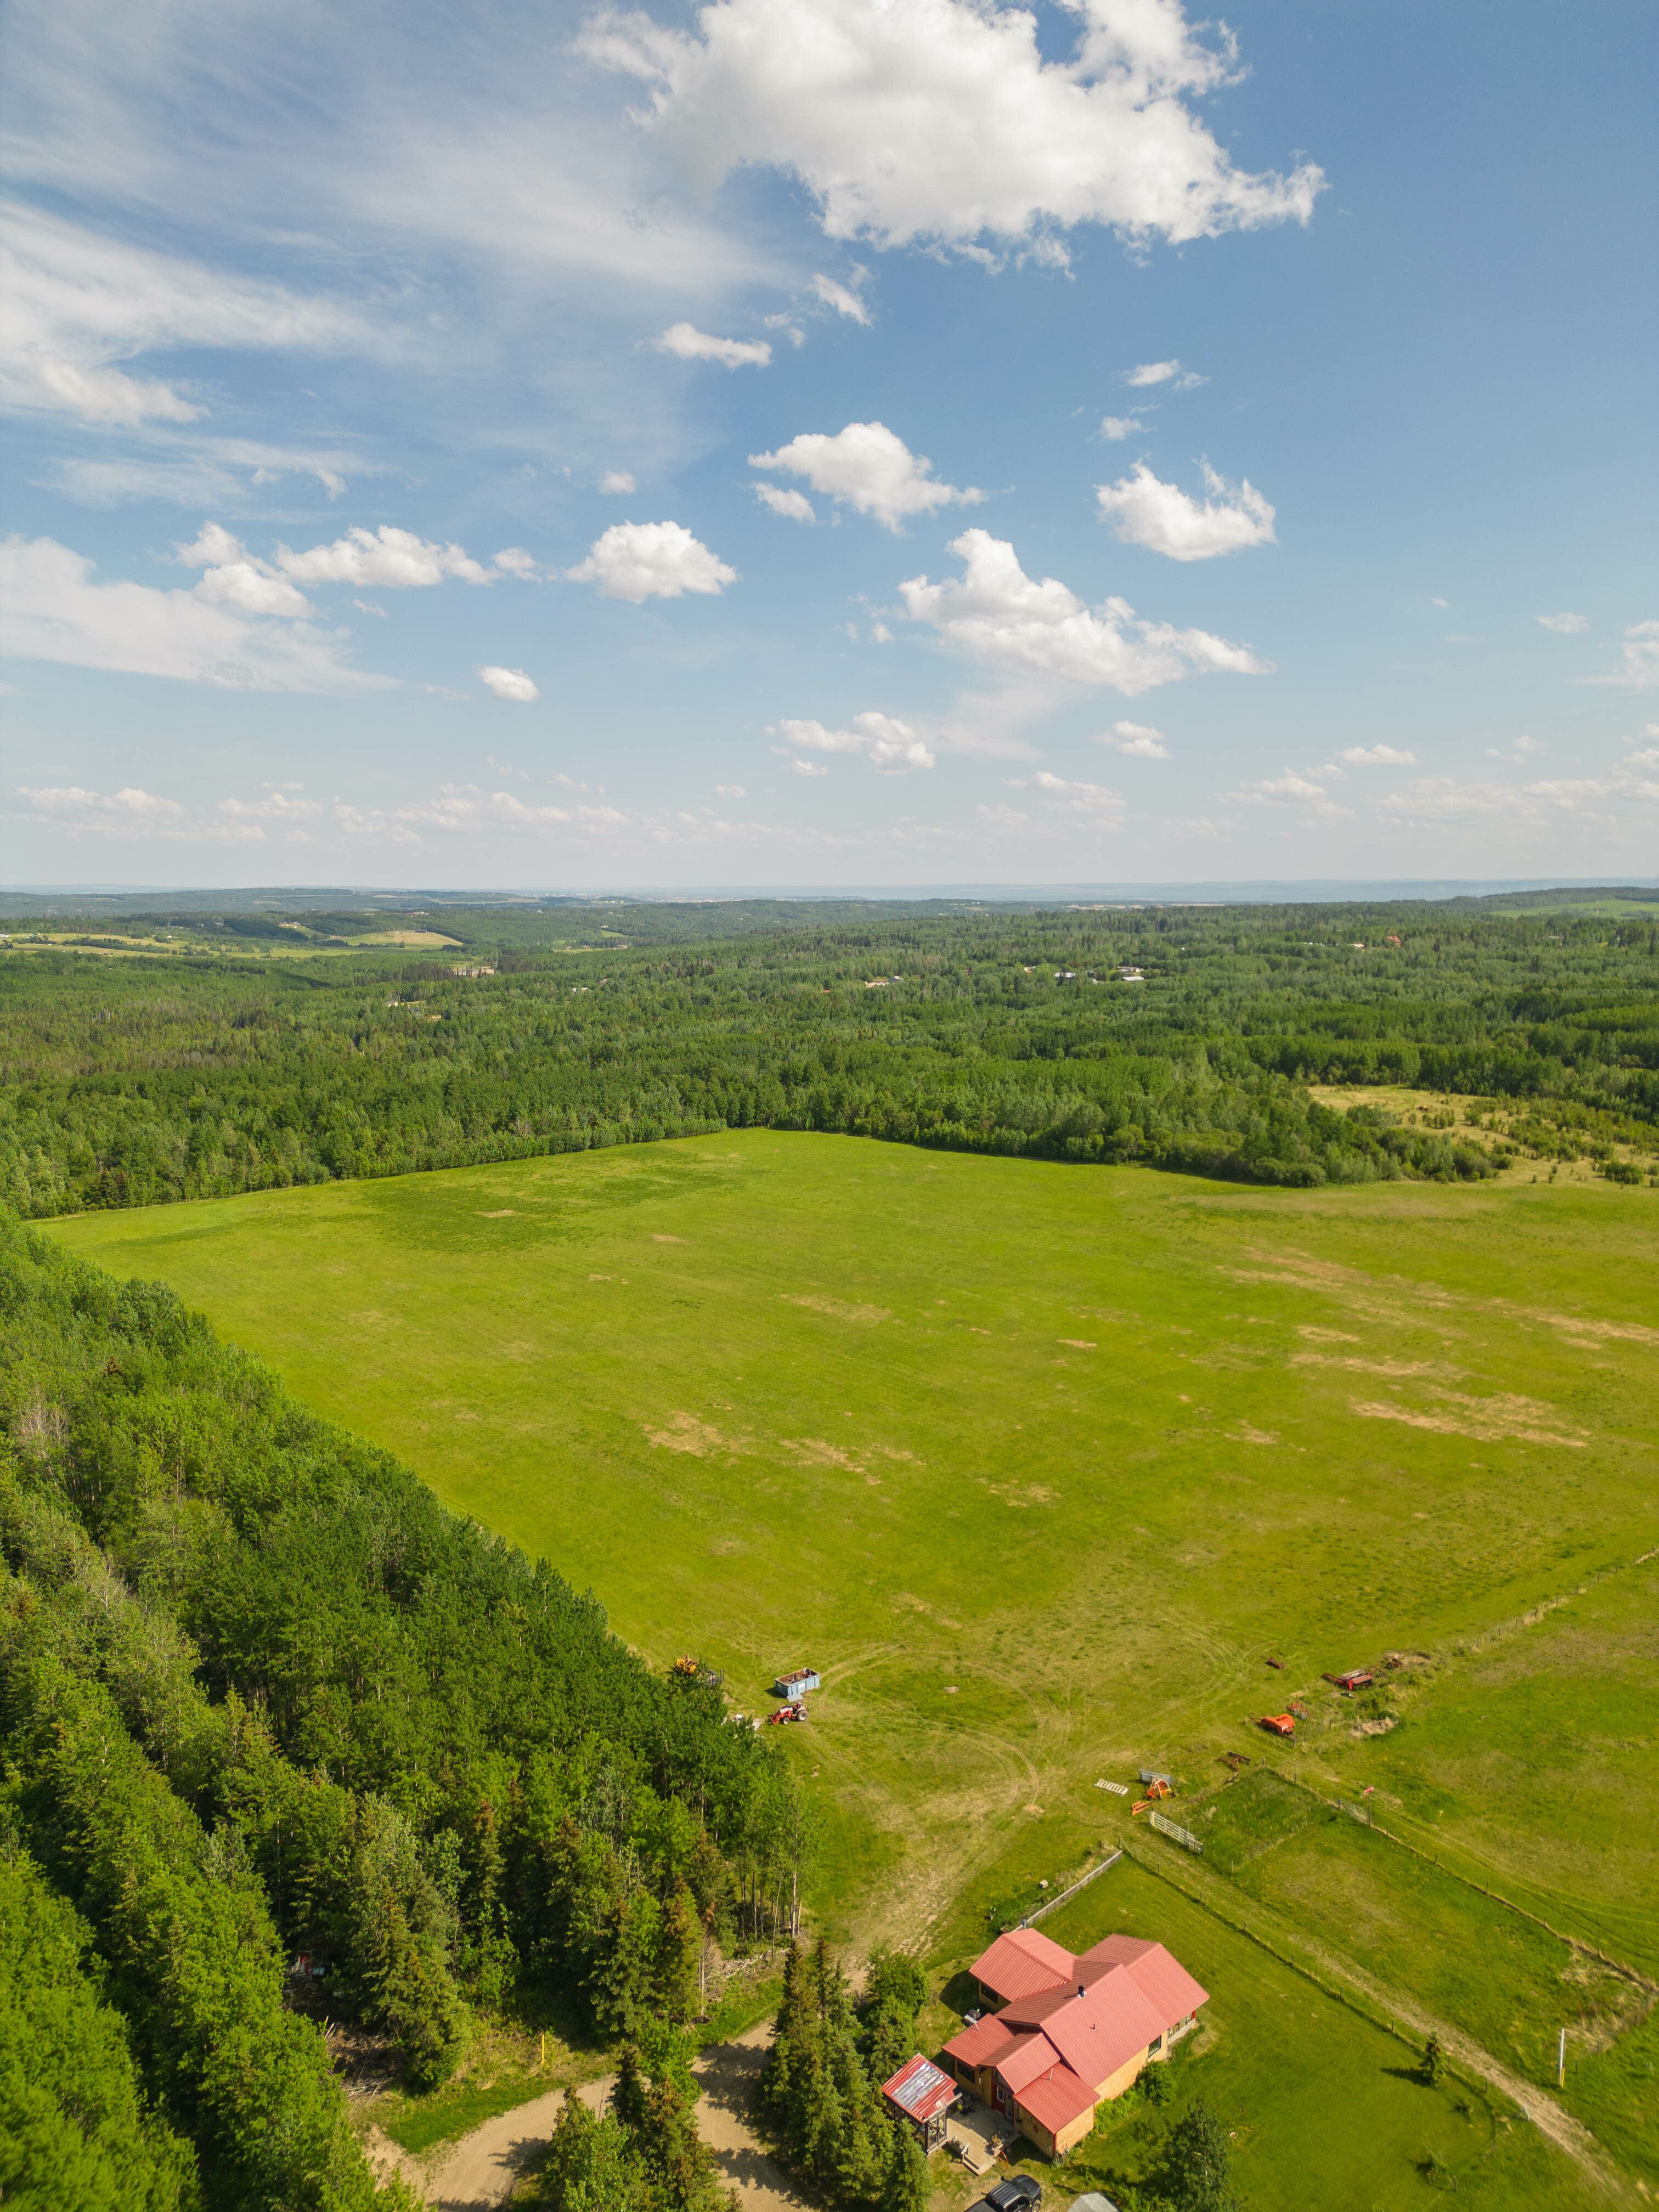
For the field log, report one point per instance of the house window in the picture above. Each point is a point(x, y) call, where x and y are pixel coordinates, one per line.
point(1157, 2043)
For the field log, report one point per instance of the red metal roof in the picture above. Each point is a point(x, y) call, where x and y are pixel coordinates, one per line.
point(1057, 2098)
point(920, 2090)
point(982, 2043)
point(1031, 2057)
point(1105, 2028)
point(1161, 1978)
point(1022, 1964)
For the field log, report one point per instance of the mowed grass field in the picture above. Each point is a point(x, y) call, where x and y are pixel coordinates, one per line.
point(1037, 1464)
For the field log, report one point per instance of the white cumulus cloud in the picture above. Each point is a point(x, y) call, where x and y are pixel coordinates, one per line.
point(996, 614)
point(51, 610)
point(911, 119)
point(1376, 756)
point(1097, 800)
point(618, 483)
point(1115, 428)
point(730, 791)
point(886, 742)
point(1638, 668)
point(233, 577)
point(690, 343)
point(396, 560)
point(1163, 372)
point(808, 767)
point(1138, 739)
point(640, 561)
point(1293, 788)
point(1563, 625)
point(1144, 511)
point(509, 684)
point(781, 501)
point(870, 468)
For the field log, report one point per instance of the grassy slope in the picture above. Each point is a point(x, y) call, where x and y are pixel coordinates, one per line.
point(1324, 2107)
point(1078, 1446)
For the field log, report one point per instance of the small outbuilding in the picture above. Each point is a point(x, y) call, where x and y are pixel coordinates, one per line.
point(921, 2095)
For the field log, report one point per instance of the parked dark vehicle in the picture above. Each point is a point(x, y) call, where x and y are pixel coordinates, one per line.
point(1013, 2196)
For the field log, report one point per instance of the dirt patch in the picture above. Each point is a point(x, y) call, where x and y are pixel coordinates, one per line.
point(1078, 1343)
point(1488, 1421)
point(1020, 1495)
point(1440, 1370)
point(658, 1238)
point(813, 1451)
point(1328, 1336)
point(501, 1213)
point(483, 2170)
point(840, 1310)
point(1244, 1434)
point(686, 1433)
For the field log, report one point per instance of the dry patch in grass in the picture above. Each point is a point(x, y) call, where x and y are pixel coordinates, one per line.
point(840, 1310)
point(1488, 1421)
point(1440, 1370)
point(686, 1433)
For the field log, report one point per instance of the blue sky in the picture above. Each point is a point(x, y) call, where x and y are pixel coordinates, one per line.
point(826, 442)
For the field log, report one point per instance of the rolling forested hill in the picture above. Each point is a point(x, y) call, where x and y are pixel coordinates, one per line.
point(176, 1060)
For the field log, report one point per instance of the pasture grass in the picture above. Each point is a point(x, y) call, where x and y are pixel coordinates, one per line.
point(1039, 1465)
point(1324, 2107)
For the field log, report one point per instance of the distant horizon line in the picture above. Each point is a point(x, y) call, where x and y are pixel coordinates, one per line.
point(1214, 889)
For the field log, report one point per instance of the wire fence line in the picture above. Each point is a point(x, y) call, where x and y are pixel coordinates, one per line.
point(1053, 1903)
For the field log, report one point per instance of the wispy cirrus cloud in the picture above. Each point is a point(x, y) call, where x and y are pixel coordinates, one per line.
point(687, 343)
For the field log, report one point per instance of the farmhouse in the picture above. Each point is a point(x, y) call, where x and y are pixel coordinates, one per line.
point(1073, 2033)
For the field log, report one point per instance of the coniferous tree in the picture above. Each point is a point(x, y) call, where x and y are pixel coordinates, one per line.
point(1196, 2167)
point(676, 1982)
point(906, 2185)
point(589, 2165)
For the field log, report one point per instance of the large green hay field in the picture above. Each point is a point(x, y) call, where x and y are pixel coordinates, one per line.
point(1039, 1466)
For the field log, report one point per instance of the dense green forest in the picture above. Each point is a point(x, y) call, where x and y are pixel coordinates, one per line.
point(185, 1071)
point(283, 1739)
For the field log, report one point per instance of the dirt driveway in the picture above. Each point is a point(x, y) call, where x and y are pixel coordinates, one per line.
point(477, 2174)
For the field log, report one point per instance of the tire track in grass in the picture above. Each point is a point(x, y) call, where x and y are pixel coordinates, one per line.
point(1398, 2013)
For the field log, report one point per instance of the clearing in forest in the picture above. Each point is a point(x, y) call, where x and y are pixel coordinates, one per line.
point(1042, 1518)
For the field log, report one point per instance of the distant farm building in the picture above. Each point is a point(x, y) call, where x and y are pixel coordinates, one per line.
point(793, 1685)
point(1073, 2033)
point(921, 2095)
